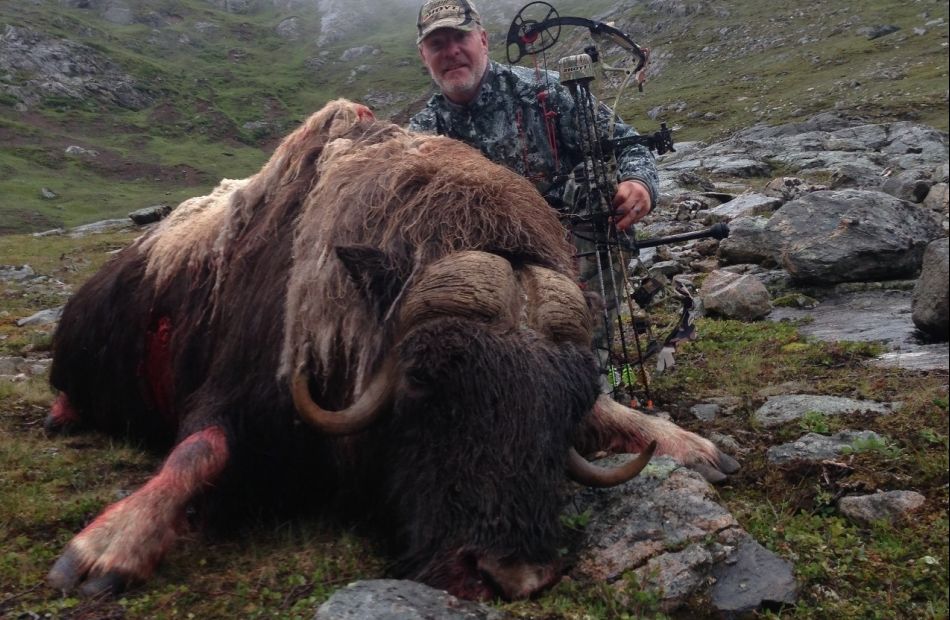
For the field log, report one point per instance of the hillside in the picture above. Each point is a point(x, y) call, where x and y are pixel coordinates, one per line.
point(162, 99)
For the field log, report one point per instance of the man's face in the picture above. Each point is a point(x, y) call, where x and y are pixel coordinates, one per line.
point(456, 60)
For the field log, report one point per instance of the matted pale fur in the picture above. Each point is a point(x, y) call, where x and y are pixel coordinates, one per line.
point(188, 234)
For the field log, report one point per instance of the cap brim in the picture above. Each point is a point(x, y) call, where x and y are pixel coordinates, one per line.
point(466, 25)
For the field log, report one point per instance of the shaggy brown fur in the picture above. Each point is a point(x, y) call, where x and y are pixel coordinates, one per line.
point(306, 266)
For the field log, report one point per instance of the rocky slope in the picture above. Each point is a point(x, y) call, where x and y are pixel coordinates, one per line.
point(207, 86)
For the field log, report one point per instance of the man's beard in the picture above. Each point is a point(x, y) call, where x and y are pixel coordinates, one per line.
point(466, 87)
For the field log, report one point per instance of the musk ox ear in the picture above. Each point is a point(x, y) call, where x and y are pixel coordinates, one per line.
point(375, 274)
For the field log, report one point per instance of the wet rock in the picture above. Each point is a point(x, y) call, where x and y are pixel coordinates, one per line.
point(882, 316)
point(930, 305)
point(851, 235)
point(735, 296)
point(753, 579)
point(881, 506)
point(816, 448)
point(788, 407)
point(396, 599)
point(876, 32)
point(147, 215)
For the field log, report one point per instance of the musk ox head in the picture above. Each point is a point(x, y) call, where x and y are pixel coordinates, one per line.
point(476, 407)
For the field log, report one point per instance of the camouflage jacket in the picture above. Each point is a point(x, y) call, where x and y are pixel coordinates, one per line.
point(506, 123)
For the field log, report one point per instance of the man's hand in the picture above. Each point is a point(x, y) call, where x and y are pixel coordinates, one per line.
point(630, 203)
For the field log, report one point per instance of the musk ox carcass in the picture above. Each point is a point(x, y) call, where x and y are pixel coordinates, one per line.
point(385, 315)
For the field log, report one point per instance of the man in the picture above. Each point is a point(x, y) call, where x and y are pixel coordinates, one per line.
point(498, 110)
point(525, 121)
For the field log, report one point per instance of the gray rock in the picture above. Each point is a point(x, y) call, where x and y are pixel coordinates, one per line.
point(790, 188)
point(881, 506)
point(745, 205)
point(52, 232)
point(860, 177)
point(206, 28)
point(908, 185)
point(668, 268)
point(9, 273)
point(289, 29)
point(63, 68)
point(667, 529)
point(735, 296)
point(816, 448)
point(754, 578)
point(882, 315)
point(102, 226)
point(10, 366)
point(930, 305)
point(788, 407)
point(736, 166)
point(118, 14)
point(394, 599)
point(749, 241)
point(726, 443)
point(851, 235)
point(42, 317)
point(937, 198)
point(147, 215)
point(706, 412)
point(48, 194)
point(78, 151)
point(876, 32)
point(358, 52)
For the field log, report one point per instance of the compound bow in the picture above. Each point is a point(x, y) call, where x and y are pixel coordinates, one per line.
point(589, 217)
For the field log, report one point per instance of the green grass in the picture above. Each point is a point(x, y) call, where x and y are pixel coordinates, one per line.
point(49, 489)
point(207, 89)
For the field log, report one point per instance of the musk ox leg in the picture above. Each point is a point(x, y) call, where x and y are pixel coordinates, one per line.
point(63, 419)
point(615, 428)
point(125, 543)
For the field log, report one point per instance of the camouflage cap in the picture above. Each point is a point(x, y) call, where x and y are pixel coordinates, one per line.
point(457, 14)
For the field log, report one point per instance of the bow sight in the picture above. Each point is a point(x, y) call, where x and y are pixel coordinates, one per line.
point(535, 29)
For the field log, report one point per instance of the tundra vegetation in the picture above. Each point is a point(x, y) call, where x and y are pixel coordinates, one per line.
point(720, 67)
point(284, 568)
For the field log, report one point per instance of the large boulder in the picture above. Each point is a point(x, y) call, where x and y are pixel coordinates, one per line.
point(734, 296)
point(930, 306)
point(749, 241)
point(851, 235)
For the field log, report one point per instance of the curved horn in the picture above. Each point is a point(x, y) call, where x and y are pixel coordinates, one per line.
point(354, 418)
point(583, 471)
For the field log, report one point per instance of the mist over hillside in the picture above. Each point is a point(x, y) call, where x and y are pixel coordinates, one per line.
point(107, 106)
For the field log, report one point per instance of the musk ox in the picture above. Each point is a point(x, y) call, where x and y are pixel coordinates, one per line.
point(378, 314)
